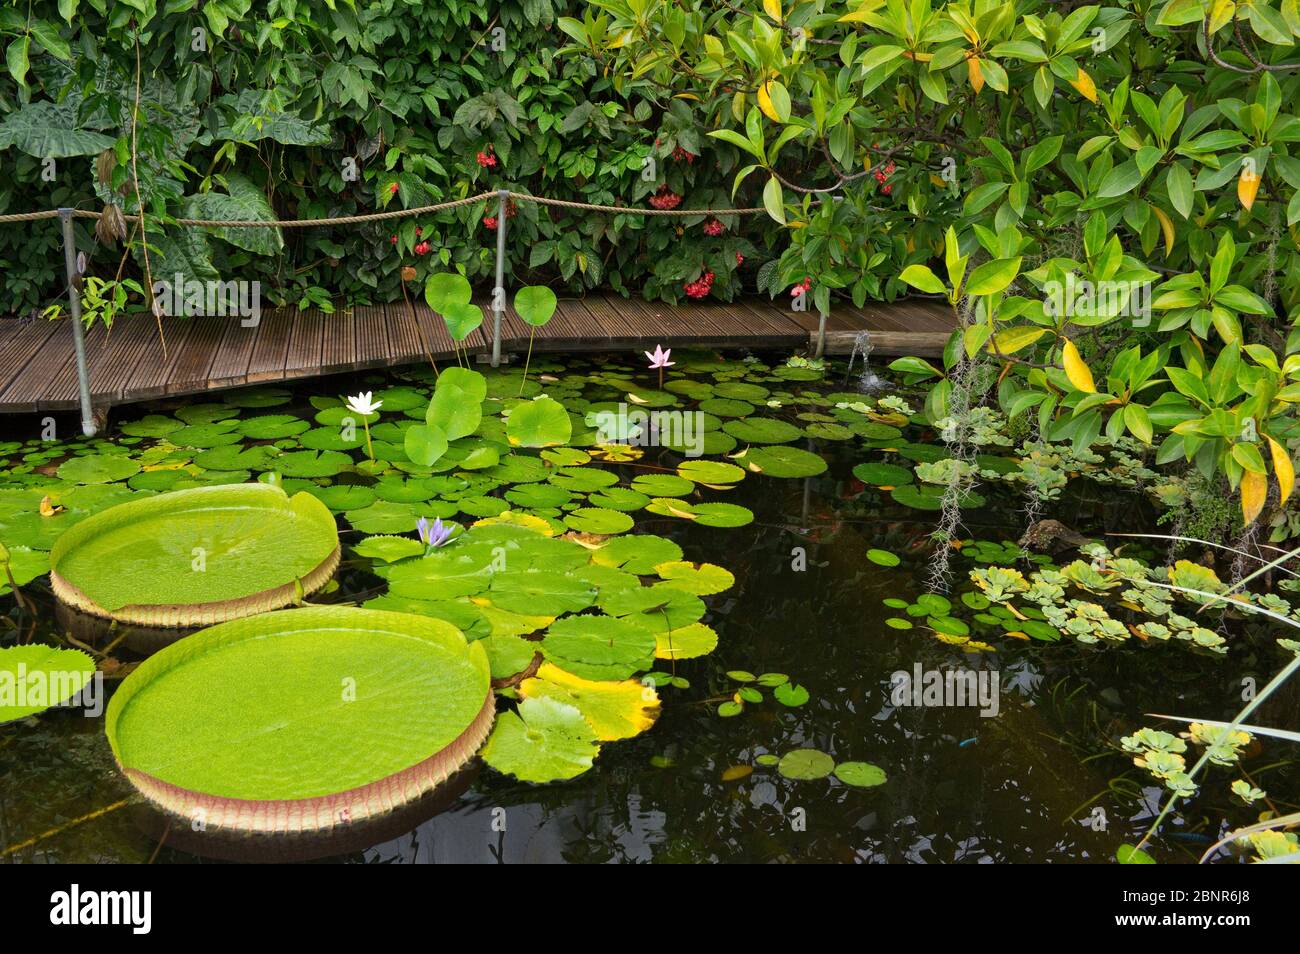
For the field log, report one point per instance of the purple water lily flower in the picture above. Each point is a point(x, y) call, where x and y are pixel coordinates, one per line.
point(435, 534)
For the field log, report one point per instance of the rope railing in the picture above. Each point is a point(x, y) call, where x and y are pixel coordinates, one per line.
point(503, 196)
point(391, 214)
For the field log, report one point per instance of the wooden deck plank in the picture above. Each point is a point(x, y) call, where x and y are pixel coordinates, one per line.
point(372, 336)
point(271, 350)
point(306, 342)
point(37, 368)
point(153, 378)
point(230, 366)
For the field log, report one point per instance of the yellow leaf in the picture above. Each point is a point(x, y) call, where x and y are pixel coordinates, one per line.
point(975, 75)
point(1075, 369)
point(615, 710)
point(1084, 84)
point(1254, 490)
point(736, 772)
point(773, 9)
point(1283, 468)
point(1247, 187)
point(1221, 14)
point(1166, 226)
point(765, 104)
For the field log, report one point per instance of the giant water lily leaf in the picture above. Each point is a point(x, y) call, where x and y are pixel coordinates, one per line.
point(545, 740)
point(599, 647)
point(36, 677)
point(541, 422)
point(196, 556)
point(320, 710)
point(615, 710)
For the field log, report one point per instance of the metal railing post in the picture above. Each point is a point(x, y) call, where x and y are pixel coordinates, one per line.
point(499, 292)
point(78, 340)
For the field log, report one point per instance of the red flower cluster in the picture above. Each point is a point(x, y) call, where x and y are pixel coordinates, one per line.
point(714, 227)
point(740, 259)
point(679, 154)
point(487, 159)
point(392, 240)
point(804, 286)
point(392, 189)
point(665, 198)
point(490, 222)
point(882, 174)
point(701, 287)
point(422, 248)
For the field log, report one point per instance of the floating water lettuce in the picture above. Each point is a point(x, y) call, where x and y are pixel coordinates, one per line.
point(325, 716)
point(198, 556)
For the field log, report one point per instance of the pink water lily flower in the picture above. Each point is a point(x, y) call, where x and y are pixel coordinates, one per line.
point(660, 358)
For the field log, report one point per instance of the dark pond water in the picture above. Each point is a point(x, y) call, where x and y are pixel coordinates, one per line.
point(1042, 781)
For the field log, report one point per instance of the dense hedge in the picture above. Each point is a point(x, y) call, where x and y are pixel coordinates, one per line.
point(259, 109)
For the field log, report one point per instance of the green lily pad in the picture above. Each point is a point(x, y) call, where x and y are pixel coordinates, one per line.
point(35, 677)
point(544, 740)
point(638, 553)
point(762, 430)
point(782, 461)
point(598, 520)
point(883, 557)
point(541, 422)
point(805, 765)
point(599, 647)
point(883, 475)
point(389, 549)
point(98, 469)
point(662, 485)
point(860, 774)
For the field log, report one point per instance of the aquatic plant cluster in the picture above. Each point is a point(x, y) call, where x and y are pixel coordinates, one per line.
point(487, 506)
point(482, 501)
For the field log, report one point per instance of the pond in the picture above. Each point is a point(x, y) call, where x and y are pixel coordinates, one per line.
point(828, 606)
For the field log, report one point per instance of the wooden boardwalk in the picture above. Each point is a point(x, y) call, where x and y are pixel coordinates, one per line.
point(38, 372)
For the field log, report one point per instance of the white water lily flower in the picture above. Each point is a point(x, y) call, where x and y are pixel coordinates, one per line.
point(362, 403)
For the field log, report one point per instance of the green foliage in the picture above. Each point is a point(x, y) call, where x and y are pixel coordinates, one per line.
point(312, 110)
point(1068, 181)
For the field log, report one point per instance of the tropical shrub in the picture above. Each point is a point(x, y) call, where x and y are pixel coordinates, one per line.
point(1106, 196)
point(289, 109)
